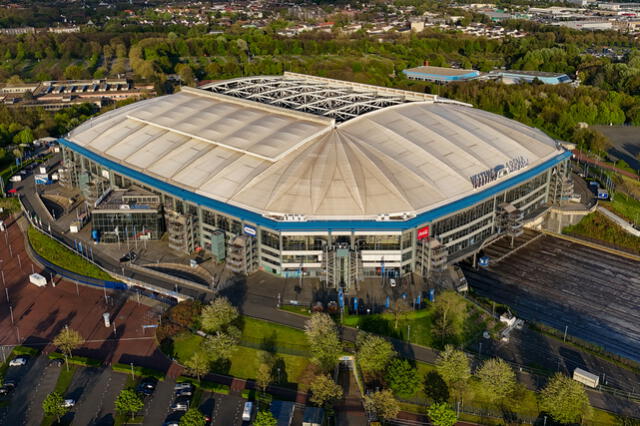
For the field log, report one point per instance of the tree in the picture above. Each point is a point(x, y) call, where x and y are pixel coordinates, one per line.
point(399, 309)
point(497, 379)
point(53, 405)
point(25, 136)
point(324, 391)
point(129, 402)
point(324, 342)
point(264, 377)
point(217, 315)
point(374, 353)
point(564, 399)
point(68, 340)
point(193, 417)
point(442, 415)
point(198, 364)
point(454, 368)
point(382, 403)
point(402, 378)
point(435, 387)
point(221, 345)
point(450, 313)
point(264, 418)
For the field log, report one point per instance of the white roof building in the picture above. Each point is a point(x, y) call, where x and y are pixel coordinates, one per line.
point(319, 148)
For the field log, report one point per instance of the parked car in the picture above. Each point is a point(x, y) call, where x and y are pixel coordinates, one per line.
point(7, 388)
point(17, 362)
point(184, 392)
point(68, 403)
point(147, 386)
point(58, 362)
point(183, 385)
point(181, 404)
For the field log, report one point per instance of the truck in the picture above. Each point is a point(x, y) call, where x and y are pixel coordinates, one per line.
point(43, 179)
point(37, 279)
point(586, 378)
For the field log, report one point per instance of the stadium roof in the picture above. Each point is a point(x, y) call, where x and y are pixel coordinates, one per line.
point(300, 161)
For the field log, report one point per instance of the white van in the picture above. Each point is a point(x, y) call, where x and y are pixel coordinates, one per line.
point(38, 280)
point(246, 414)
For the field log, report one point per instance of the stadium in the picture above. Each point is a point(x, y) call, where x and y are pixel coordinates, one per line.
point(296, 174)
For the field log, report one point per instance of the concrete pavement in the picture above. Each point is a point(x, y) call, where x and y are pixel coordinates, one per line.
point(46, 384)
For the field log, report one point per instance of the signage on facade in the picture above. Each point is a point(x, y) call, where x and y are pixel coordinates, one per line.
point(423, 233)
point(249, 230)
point(491, 175)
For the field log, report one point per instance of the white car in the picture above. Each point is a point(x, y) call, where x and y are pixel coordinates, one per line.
point(68, 403)
point(17, 362)
point(392, 282)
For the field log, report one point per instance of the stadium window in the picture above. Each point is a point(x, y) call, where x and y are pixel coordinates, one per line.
point(270, 239)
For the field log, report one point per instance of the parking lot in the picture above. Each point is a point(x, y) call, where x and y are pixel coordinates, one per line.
point(594, 294)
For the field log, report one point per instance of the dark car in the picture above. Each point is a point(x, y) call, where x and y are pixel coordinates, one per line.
point(7, 388)
point(184, 392)
point(129, 257)
point(58, 362)
point(147, 386)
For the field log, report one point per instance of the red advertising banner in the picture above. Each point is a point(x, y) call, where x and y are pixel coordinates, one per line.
point(423, 233)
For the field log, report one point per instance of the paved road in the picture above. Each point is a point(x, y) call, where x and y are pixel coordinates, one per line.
point(45, 386)
point(157, 406)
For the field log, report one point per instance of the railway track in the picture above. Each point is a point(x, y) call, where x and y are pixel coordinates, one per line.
point(559, 283)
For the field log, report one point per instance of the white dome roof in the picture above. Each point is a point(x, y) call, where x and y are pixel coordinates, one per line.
point(411, 157)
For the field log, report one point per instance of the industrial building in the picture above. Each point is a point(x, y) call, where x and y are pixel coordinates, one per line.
point(296, 174)
point(517, 76)
point(440, 74)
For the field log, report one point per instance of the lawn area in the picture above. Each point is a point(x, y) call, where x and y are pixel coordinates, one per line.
point(61, 256)
point(272, 337)
point(624, 206)
point(595, 225)
point(244, 362)
point(417, 326)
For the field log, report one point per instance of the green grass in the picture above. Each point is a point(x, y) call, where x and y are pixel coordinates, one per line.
point(624, 206)
point(244, 361)
point(272, 336)
point(61, 256)
point(597, 226)
point(138, 371)
point(417, 326)
point(64, 379)
point(77, 360)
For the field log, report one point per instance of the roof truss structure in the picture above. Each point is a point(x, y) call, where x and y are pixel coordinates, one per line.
point(340, 102)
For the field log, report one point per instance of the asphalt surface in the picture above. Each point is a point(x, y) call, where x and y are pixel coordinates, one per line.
point(46, 385)
point(624, 141)
point(97, 390)
point(157, 405)
point(228, 410)
point(28, 379)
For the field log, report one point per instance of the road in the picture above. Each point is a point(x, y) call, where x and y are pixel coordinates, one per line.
point(28, 378)
point(97, 390)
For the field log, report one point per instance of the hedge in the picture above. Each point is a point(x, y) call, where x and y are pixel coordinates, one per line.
point(138, 371)
point(206, 385)
point(77, 360)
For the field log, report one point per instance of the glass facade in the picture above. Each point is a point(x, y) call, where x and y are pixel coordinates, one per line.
point(119, 226)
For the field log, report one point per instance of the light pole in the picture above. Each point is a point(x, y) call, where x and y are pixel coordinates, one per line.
point(566, 327)
point(11, 312)
point(132, 375)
